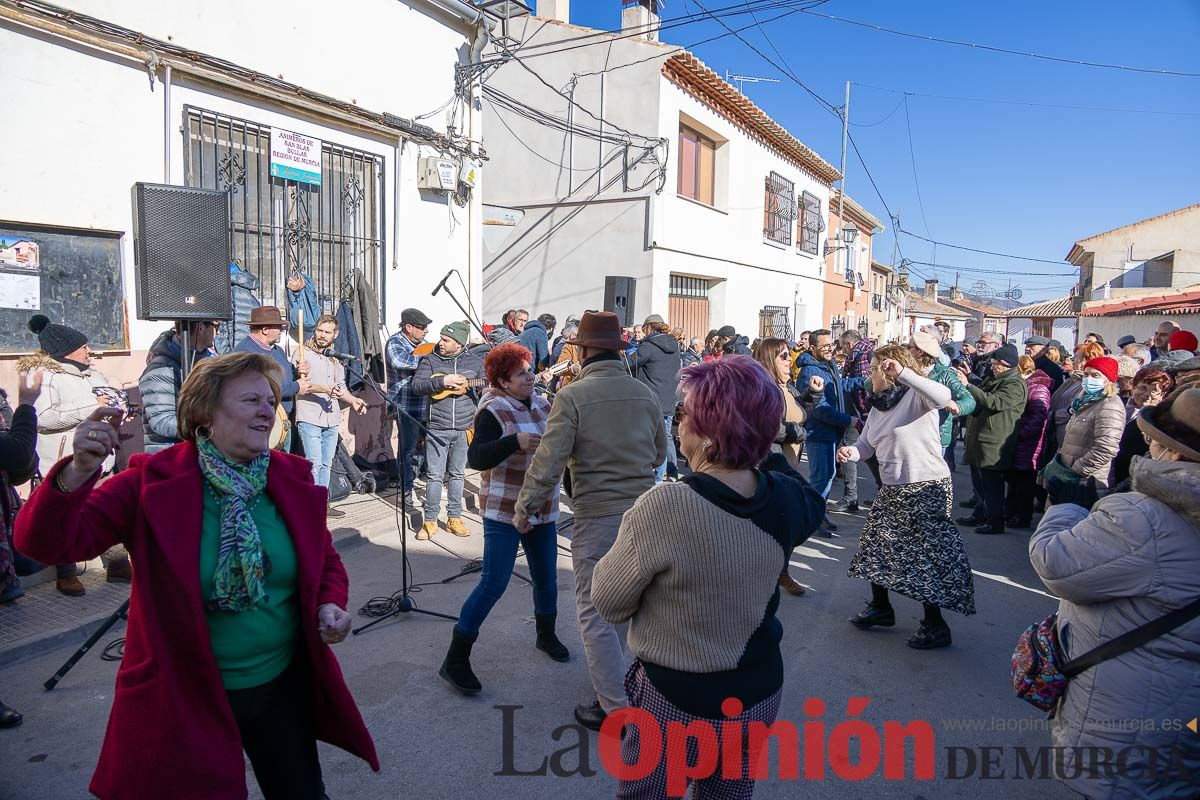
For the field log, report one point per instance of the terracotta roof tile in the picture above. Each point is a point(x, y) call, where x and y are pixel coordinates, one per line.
point(1056, 308)
point(1178, 303)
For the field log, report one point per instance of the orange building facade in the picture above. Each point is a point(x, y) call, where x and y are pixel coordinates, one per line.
point(847, 288)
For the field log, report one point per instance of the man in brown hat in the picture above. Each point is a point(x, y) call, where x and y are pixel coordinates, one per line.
point(266, 328)
point(607, 428)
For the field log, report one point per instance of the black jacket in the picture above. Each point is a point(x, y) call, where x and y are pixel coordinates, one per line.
point(450, 413)
point(1053, 370)
point(656, 363)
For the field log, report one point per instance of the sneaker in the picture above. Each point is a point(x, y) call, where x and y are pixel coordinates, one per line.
point(456, 526)
point(929, 637)
point(872, 616)
point(119, 573)
point(71, 586)
point(334, 513)
point(844, 507)
point(428, 529)
point(410, 501)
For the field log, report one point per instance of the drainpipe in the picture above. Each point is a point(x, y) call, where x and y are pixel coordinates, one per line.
point(167, 124)
point(464, 11)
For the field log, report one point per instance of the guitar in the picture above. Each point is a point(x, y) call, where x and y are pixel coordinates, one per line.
point(472, 383)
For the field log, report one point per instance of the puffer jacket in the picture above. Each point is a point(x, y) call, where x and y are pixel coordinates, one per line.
point(992, 431)
point(66, 400)
point(1060, 406)
point(1031, 428)
point(450, 413)
point(535, 339)
point(245, 299)
point(830, 418)
point(1134, 558)
point(1092, 439)
point(657, 363)
point(159, 385)
point(958, 393)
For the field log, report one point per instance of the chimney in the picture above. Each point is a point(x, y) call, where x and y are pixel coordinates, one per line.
point(642, 16)
point(554, 9)
point(956, 293)
point(931, 289)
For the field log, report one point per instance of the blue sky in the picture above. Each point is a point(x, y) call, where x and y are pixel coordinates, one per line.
point(1007, 178)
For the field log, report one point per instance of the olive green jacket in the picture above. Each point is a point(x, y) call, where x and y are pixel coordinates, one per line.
point(992, 431)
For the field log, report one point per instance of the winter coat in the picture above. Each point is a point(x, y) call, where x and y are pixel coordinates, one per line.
point(1060, 408)
point(245, 299)
point(608, 429)
point(657, 363)
point(66, 400)
point(741, 346)
point(1092, 438)
point(1056, 373)
point(992, 431)
point(535, 339)
point(1031, 428)
point(304, 300)
point(171, 732)
point(450, 413)
point(1134, 558)
point(159, 386)
point(1133, 443)
point(981, 369)
point(958, 393)
point(691, 357)
point(830, 418)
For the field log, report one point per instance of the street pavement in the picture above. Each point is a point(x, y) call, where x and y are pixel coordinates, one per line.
point(434, 743)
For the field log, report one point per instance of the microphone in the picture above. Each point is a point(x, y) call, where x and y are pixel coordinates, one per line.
point(339, 356)
point(442, 285)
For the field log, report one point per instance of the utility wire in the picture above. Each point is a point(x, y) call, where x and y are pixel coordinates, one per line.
point(912, 154)
point(1023, 102)
point(987, 271)
point(891, 114)
point(1060, 261)
point(995, 49)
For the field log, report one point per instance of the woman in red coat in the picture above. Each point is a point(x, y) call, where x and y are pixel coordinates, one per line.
point(237, 595)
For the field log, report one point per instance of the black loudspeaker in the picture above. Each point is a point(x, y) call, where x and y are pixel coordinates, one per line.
point(618, 297)
point(181, 253)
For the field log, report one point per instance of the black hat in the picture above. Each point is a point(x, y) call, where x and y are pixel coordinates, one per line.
point(412, 316)
point(727, 332)
point(1042, 340)
point(1007, 354)
point(1126, 340)
point(56, 341)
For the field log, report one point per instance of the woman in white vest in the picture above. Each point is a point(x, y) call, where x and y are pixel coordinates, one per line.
point(508, 427)
point(71, 391)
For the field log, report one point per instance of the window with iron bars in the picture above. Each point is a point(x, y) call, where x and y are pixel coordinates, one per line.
point(280, 226)
point(779, 209)
point(774, 322)
point(811, 224)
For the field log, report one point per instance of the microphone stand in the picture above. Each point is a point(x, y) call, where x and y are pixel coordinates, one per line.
point(404, 603)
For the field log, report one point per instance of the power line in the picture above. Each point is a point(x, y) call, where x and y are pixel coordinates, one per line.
point(913, 157)
point(995, 49)
point(891, 114)
point(985, 252)
point(1024, 102)
point(986, 271)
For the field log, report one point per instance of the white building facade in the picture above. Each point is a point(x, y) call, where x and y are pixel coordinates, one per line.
point(640, 171)
point(191, 94)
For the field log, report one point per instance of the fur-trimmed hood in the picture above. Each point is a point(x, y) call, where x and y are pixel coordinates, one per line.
point(40, 359)
point(1173, 483)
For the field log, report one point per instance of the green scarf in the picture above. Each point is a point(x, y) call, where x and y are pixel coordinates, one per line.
point(1085, 399)
point(239, 582)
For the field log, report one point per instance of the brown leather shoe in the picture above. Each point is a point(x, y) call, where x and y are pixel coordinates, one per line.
point(119, 573)
point(789, 585)
point(71, 586)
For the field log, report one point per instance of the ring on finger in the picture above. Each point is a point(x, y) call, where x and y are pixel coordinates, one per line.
point(92, 435)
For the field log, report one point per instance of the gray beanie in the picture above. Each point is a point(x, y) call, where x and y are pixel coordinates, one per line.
point(57, 341)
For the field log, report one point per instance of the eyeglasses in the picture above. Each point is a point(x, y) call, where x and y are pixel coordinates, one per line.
point(784, 356)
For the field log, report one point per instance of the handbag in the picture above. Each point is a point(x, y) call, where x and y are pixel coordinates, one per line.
point(1041, 673)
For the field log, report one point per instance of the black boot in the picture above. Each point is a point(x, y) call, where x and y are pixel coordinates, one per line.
point(456, 668)
point(9, 718)
point(547, 641)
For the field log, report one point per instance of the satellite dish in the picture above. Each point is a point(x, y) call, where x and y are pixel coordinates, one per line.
point(1015, 294)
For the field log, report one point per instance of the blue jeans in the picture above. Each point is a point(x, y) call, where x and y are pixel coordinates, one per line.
point(319, 446)
point(822, 465)
point(661, 472)
point(448, 460)
point(500, 541)
point(409, 434)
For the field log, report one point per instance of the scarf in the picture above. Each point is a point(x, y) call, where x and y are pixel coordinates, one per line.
point(239, 581)
point(1084, 399)
point(888, 398)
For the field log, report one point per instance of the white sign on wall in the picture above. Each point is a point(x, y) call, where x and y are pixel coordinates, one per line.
point(295, 157)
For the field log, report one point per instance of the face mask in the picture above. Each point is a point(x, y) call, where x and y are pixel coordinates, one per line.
point(1092, 385)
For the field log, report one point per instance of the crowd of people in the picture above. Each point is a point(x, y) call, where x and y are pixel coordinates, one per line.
point(692, 469)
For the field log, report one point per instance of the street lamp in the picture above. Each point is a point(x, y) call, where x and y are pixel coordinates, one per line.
point(849, 233)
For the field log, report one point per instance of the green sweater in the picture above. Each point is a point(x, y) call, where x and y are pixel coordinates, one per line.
point(256, 646)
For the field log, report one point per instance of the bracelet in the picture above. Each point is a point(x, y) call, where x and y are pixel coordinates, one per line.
point(58, 483)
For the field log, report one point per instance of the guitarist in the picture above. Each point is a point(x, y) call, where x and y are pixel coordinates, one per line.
point(446, 376)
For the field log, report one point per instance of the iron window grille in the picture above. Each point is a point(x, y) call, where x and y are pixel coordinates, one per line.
point(684, 286)
point(774, 322)
point(811, 223)
point(779, 209)
point(279, 226)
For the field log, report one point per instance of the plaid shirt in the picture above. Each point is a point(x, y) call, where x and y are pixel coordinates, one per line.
point(402, 365)
point(858, 365)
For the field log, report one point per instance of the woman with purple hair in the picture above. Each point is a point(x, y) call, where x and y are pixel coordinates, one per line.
point(696, 564)
point(909, 544)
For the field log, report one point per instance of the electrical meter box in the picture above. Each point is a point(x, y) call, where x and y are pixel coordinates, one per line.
point(437, 174)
